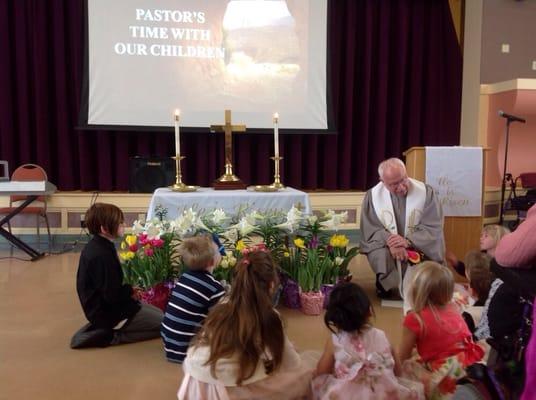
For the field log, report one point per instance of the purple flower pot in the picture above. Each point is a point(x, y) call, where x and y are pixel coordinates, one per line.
point(326, 290)
point(291, 294)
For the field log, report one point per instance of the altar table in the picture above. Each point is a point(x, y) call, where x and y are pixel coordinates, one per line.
point(208, 199)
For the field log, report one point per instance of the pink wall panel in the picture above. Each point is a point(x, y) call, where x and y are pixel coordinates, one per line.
point(522, 142)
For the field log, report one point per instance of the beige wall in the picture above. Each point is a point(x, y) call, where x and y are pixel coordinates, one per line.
point(65, 208)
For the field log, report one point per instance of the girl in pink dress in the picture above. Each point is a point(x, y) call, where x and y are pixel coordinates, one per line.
point(436, 329)
point(358, 361)
point(242, 351)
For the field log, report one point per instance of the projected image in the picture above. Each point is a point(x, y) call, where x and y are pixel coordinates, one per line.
point(261, 46)
point(255, 57)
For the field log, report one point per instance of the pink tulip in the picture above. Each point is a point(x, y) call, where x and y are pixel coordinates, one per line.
point(143, 239)
point(133, 247)
point(149, 252)
point(157, 242)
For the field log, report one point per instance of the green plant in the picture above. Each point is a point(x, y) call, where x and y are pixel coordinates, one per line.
point(147, 261)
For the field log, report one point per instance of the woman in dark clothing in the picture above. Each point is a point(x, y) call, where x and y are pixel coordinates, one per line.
point(112, 308)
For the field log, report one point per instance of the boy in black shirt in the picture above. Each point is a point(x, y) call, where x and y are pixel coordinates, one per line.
point(115, 315)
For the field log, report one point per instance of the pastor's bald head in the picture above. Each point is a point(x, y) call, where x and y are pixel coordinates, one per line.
point(393, 174)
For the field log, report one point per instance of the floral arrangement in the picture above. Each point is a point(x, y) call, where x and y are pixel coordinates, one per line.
point(149, 255)
point(315, 257)
point(301, 245)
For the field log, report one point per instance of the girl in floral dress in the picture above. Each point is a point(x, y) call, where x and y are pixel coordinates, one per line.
point(436, 329)
point(358, 361)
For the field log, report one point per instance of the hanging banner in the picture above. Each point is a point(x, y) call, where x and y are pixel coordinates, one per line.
point(455, 173)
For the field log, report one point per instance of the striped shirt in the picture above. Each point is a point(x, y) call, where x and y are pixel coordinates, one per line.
point(191, 298)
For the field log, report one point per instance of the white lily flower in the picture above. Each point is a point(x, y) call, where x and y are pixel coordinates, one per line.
point(244, 227)
point(254, 217)
point(312, 219)
point(294, 216)
point(153, 232)
point(218, 216)
point(137, 227)
point(231, 235)
point(335, 220)
point(287, 226)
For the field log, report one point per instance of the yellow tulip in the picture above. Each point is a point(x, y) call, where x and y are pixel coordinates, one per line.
point(124, 246)
point(339, 241)
point(286, 254)
point(126, 255)
point(131, 239)
point(240, 245)
point(298, 242)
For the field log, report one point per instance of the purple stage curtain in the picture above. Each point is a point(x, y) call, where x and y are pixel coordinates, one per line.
point(395, 72)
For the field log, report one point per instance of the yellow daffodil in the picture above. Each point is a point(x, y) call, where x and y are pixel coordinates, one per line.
point(339, 241)
point(131, 239)
point(286, 254)
point(298, 242)
point(127, 255)
point(240, 245)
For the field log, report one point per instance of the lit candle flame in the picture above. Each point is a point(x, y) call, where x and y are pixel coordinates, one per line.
point(276, 117)
point(177, 114)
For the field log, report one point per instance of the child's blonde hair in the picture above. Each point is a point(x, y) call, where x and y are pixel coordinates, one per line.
point(197, 252)
point(496, 232)
point(432, 285)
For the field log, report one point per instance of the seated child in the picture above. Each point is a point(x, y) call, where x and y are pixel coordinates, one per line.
point(489, 239)
point(438, 332)
point(358, 361)
point(193, 295)
point(242, 351)
point(112, 308)
point(478, 273)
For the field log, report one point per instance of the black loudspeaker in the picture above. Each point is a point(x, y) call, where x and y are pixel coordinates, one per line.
point(150, 173)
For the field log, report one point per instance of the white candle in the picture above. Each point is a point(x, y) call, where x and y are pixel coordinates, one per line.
point(276, 134)
point(177, 133)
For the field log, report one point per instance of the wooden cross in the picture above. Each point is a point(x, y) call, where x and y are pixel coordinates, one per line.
point(228, 128)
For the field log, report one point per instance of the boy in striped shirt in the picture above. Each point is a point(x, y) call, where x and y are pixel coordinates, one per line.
point(194, 294)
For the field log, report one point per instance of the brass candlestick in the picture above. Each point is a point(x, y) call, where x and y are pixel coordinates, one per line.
point(277, 185)
point(179, 186)
point(277, 182)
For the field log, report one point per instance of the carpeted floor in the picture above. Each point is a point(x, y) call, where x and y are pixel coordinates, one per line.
point(39, 311)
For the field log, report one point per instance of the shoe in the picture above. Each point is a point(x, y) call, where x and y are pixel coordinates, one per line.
point(380, 291)
point(89, 336)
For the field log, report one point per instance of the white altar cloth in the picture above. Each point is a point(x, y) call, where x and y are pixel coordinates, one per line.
point(229, 200)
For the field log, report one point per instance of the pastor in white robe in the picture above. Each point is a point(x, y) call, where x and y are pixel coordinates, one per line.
point(422, 226)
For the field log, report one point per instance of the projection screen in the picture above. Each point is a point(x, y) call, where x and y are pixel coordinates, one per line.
point(145, 59)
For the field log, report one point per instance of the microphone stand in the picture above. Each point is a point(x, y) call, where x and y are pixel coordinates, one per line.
point(503, 186)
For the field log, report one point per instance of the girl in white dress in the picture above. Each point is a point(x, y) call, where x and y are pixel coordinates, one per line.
point(242, 351)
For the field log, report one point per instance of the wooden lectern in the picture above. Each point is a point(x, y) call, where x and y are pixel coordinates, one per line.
point(462, 234)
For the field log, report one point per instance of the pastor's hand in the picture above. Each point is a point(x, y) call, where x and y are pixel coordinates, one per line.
point(398, 253)
point(397, 241)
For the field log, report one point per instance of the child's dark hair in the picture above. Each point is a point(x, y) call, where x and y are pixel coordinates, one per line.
point(348, 308)
point(107, 216)
point(479, 273)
